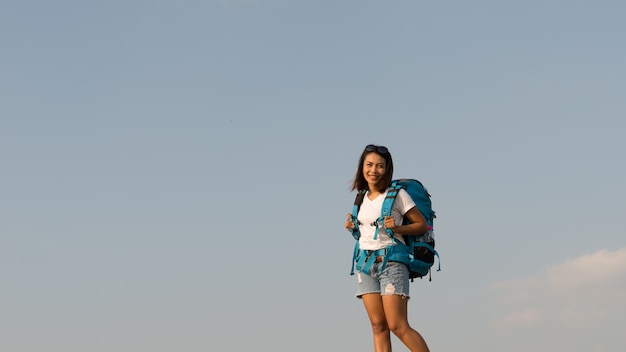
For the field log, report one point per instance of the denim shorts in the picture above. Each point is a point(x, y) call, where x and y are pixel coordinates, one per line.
point(394, 280)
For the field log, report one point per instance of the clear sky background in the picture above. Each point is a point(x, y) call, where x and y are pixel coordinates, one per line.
point(175, 174)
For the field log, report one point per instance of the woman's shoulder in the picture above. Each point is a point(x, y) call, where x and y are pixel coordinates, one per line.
point(405, 197)
point(403, 193)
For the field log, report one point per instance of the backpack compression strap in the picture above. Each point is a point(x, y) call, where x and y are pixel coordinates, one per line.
point(430, 248)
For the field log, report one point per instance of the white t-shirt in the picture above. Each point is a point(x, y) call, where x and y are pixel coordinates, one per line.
point(370, 211)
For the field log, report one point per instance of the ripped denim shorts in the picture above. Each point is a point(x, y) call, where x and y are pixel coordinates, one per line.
point(393, 280)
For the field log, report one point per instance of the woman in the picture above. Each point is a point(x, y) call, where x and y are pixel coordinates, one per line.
point(385, 292)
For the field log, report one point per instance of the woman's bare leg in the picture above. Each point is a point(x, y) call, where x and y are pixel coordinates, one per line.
point(395, 310)
point(376, 313)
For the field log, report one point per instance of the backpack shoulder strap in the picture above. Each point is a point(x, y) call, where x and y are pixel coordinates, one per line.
point(392, 193)
point(355, 214)
point(355, 230)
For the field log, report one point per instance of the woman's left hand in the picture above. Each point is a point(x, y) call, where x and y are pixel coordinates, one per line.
point(390, 223)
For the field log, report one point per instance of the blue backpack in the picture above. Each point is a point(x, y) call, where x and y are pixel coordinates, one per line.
point(418, 251)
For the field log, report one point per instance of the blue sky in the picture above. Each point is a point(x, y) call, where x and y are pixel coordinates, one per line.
point(175, 175)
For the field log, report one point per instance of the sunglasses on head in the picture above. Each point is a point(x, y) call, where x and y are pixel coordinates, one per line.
point(376, 148)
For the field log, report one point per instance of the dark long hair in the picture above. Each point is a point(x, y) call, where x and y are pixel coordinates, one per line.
point(359, 183)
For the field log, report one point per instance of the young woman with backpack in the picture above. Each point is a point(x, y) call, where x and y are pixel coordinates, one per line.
point(384, 287)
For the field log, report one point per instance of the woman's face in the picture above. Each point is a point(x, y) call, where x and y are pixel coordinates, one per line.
point(374, 168)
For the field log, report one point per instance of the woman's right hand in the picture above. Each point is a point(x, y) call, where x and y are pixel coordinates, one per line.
point(349, 224)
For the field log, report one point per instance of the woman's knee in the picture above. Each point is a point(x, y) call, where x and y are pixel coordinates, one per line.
point(399, 327)
point(380, 327)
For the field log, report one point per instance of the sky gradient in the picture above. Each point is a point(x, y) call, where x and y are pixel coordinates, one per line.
point(175, 174)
